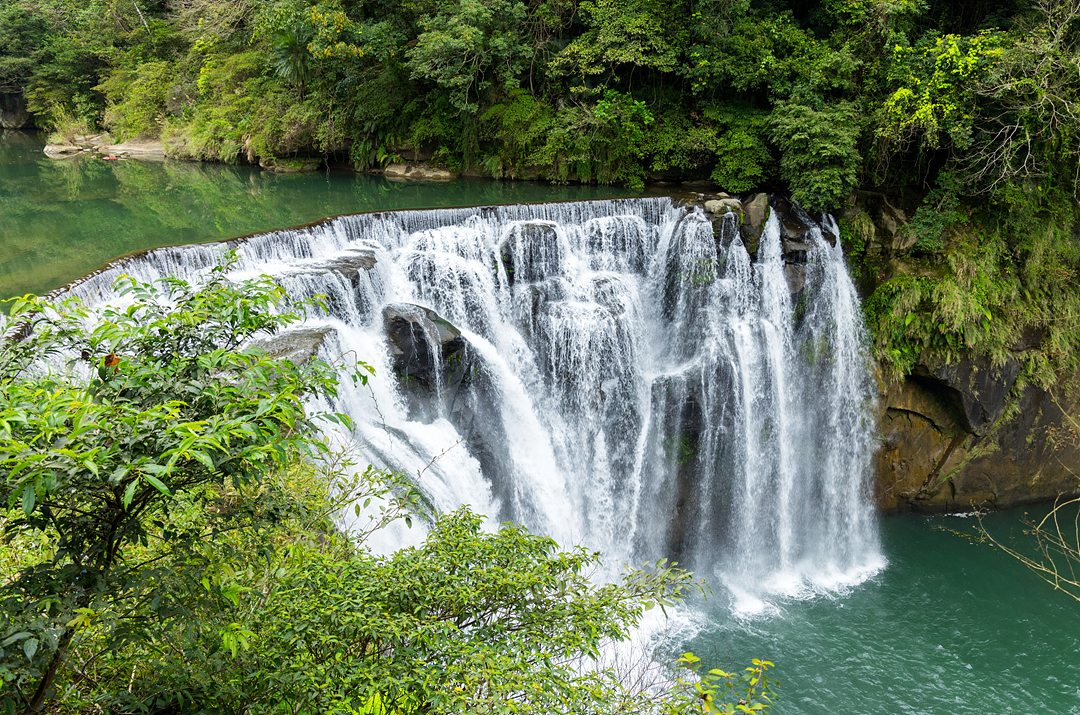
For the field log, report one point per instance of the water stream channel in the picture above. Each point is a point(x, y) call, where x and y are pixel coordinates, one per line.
point(609, 373)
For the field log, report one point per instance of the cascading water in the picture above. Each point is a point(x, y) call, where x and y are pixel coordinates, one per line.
point(610, 373)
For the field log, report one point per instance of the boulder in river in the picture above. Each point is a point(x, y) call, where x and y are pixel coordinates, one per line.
point(426, 349)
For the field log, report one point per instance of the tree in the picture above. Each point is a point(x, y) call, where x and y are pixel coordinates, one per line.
point(469, 46)
point(291, 58)
point(468, 622)
point(622, 34)
point(819, 152)
point(106, 420)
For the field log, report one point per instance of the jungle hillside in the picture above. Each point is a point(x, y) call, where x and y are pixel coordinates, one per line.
point(946, 134)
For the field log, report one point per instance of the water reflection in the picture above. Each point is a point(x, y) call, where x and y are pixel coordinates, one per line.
point(61, 218)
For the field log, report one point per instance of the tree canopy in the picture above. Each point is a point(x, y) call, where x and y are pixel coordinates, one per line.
point(817, 97)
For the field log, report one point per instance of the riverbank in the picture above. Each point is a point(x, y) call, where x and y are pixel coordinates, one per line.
point(953, 435)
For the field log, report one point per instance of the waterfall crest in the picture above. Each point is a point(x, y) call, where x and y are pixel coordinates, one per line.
point(617, 374)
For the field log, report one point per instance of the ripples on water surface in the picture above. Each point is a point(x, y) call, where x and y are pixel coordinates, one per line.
point(950, 626)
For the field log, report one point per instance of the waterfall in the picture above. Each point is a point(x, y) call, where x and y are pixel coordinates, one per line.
point(619, 374)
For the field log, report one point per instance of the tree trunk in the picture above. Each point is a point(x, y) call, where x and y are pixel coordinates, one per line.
point(47, 680)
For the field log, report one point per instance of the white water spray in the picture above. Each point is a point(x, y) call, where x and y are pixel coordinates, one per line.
point(630, 381)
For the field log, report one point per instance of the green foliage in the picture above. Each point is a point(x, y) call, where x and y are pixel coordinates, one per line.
point(622, 35)
point(169, 402)
point(712, 692)
point(937, 83)
point(742, 154)
point(819, 154)
point(289, 54)
point(914, 97)
point(170, 542)
point(467, 622)
point(23, 36)
point(469, 46)
point(137, 100)
point(999, 282)
point(601, 142)
point(517, 127)
point(940, 211)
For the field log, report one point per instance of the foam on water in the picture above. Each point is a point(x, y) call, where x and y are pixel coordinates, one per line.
point(637, 384)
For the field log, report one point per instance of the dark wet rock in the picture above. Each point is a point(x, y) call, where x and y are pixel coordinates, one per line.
point(423, 346)
point(350, 264)
point(442, 377)
point(795, 275)
point(795, 251)
point(976, 390)
point(61, 151)
point(531, 252)
point(13, 112)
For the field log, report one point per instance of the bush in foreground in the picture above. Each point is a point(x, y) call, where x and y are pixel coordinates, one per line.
point(169, 542)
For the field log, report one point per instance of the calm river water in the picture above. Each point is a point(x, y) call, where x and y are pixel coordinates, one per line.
point(950, 626)
point(62, 218)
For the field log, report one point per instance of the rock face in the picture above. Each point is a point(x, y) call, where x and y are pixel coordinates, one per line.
point(13, 112)
point(427, 351)
point(101, 145)
point(724, 205)
point(440, 378)
point(879, 224)
point(755, 211)
point(298, 345)
point(949, 440)
point(419, 172)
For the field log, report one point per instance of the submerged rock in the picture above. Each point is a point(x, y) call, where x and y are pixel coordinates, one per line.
point(419, 172)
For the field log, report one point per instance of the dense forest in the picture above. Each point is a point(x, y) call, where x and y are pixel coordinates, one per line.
point(168, 556)
point(959, 120)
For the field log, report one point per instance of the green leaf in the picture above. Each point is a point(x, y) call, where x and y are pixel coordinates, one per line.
point(30, 646)
point(129, 493)
point(204, 459)
point(29, 498)
point(158, 484)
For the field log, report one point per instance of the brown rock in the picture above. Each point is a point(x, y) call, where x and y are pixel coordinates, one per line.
point(947, 443)
point(756, 211)
point(722, 206)
point(419, 172)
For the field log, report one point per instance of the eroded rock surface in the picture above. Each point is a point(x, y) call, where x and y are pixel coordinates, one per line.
point(299, 345)
point(954, 437)
point(419, 172)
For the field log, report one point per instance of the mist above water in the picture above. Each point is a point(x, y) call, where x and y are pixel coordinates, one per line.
point(613, 374)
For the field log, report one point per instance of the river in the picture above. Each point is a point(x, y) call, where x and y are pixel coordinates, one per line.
point(943, 623)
